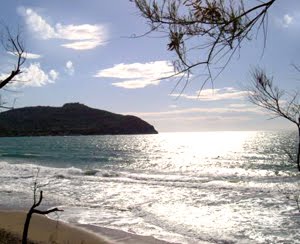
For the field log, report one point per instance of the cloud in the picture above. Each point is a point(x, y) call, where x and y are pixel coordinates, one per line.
point(134, 84)
point(237, 105)
point(82, 45)
point(81, 37)
point(32, 56)
point(28, 55)
point(202, 111)
point(225, 93)
point(34, 76)
point(137, 75)
point(39, 25)
point(207, 118)
point(287, 20)
point(70, 68)
point(53, 74)
point(234, 116)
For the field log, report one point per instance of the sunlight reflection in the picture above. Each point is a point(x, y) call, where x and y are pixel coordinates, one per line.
point(188, 151)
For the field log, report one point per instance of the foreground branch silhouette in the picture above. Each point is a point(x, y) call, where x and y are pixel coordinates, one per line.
point(265, 94)
point(12, 44)
point(204, 33)
point(33, 210)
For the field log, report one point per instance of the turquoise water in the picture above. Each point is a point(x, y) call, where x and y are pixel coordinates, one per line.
point(208, 187)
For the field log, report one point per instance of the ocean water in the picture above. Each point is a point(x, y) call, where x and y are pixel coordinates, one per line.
point(206, 187)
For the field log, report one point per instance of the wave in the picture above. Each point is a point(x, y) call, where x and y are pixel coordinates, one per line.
point(18, 170)
point(21, 155)
point(15, 172)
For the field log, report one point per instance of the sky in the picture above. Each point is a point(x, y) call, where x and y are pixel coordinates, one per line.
point(86, 51)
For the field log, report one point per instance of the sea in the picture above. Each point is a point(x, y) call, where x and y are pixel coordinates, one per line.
point(204, 187)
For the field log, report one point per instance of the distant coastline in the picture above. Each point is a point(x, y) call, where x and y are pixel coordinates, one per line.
point(69, 120)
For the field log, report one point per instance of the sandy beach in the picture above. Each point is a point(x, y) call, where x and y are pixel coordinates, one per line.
point(44, 230)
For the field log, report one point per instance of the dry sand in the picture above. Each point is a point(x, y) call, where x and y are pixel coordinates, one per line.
point(45, 230)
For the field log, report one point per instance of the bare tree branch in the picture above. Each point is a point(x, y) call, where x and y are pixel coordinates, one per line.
point(33, 210)
point(13, 44)
point(265, 94)
point(204, 32)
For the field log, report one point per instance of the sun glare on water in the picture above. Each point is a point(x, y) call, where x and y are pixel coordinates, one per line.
point(210, 142)
point(194, 150)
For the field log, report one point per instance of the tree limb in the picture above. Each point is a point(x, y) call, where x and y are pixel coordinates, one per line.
point(220, 26)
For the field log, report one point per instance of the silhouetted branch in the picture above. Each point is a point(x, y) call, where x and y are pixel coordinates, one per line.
point(13, 44)
point(265, 94)
point(204, 32)
point(33, 210)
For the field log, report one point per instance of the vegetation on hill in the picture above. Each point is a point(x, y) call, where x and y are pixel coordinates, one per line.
point(70, 119)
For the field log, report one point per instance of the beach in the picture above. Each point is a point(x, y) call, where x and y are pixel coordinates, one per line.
point(45, 230)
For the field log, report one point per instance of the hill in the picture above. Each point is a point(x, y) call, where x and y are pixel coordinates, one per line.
point(70, 119)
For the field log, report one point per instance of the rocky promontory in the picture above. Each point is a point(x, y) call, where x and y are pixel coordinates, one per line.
point(70, 119)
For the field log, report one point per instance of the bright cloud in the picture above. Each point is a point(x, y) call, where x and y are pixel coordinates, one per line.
point(33, 75)
point(287, 20)
point(81, 37)
point(32, 56)
point(28, 55)
point(70, 68)
point(137, 75)
point(53, 74)
point(215, 94)
point(82, 45)
point(39, 25)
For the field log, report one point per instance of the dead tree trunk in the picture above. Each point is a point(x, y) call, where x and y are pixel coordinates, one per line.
point(32, 211)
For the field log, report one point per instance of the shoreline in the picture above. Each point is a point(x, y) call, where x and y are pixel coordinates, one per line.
point(46, 230)
point(120, 236)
